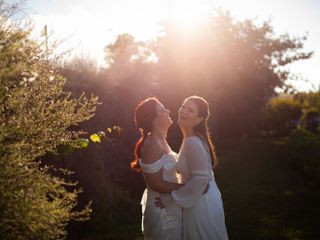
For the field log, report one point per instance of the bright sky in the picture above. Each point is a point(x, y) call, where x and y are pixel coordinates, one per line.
point(92, 24)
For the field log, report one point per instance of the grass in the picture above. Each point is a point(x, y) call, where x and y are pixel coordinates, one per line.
point(264, 197)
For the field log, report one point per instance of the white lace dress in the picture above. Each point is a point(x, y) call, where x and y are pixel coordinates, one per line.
point(203, 214)
point(161, 224)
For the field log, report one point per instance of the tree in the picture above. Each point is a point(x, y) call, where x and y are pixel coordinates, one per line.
point(129, 61)
point(36, 115)
point(236, 65)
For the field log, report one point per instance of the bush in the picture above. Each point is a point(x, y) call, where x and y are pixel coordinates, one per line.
point(304, 148)
point(281, 116)
point(35, 118)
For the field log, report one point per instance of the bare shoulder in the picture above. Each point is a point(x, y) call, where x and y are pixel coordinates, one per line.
point(151, 151)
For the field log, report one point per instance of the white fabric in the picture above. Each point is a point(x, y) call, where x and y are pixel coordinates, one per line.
point(161, 224)
point(203, 214)
point(195, 168)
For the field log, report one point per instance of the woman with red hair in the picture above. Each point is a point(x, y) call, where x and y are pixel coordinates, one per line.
point(155, 159)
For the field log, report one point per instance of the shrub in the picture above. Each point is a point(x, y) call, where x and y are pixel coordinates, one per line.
point(281, 116)
point(304, 147)
point(35, 117)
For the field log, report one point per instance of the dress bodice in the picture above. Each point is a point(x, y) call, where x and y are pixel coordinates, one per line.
point(199, 150)
point(165, 221)
point(168, 162)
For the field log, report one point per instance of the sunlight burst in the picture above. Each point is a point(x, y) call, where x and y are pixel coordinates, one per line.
point(188, 13)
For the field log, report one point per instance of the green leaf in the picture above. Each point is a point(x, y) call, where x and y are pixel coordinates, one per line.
point(101, 134)
point(65, 149)
point(82, 142)
point(95, 138)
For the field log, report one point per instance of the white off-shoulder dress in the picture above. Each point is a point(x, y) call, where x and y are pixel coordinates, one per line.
point(161, 224)
point(203, 214)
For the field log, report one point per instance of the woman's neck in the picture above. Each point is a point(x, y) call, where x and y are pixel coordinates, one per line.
point(187, 132)
point(160, 133)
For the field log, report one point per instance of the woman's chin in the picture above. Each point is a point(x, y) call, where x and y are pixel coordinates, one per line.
point(180, 124)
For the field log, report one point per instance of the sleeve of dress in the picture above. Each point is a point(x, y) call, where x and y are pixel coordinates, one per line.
point(197, 160)
point(151, 167)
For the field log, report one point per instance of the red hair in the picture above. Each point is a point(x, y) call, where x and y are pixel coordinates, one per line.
point(144, 115)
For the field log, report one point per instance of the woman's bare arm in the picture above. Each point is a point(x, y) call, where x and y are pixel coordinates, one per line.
point(152, 152)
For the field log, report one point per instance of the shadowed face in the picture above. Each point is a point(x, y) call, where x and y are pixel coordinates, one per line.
point(188, 115)
point(163, 119)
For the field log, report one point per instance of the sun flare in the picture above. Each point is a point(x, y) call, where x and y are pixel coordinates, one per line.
point(187, 13)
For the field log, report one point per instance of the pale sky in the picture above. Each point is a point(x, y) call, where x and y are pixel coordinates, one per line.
point(92, 24)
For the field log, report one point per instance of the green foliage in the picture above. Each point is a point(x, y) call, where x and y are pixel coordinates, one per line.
point(236, 65)
point(304, 149)
point(297, 116)
point(281, 115)
point(95, 138)
point(283, 204)
point(35, 117)
point(310, 103)
point(82, 142)
point(285, 113)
